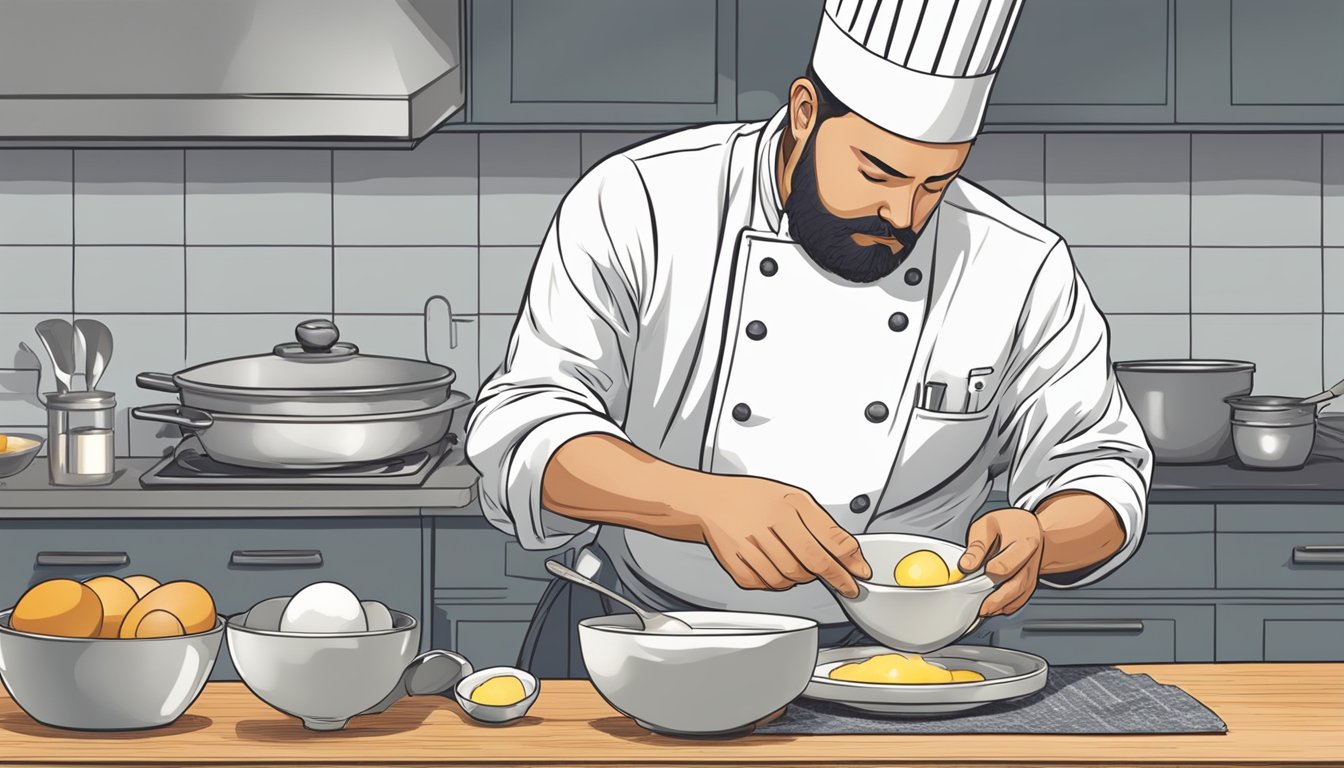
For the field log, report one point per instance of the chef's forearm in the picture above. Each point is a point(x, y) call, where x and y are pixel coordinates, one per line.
point(602, 479)
point(1080, 530)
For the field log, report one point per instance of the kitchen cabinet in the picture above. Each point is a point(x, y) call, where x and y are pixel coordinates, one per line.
point(602, 61)
point(488, 635)
point(1260, 61)
point(1111, 633)
point(239, 561)
point(1177, 552)
point(1281, 632)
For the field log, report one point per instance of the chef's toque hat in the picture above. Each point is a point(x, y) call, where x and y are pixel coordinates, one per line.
point(921, 69)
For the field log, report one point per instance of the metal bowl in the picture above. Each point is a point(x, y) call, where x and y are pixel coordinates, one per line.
point(322, 679)
point(914, 619)
point(1180, 405)
point(99, 684)
point(719, 680)
point(23, 447)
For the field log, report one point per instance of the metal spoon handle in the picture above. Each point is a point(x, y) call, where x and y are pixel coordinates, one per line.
point(1329, 394)
point(578, 578)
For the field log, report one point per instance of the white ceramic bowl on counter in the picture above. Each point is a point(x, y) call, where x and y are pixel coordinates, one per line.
point(732, 671)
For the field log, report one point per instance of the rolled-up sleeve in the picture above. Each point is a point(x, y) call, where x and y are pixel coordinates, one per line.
point(566, 371)
point(1069, 426)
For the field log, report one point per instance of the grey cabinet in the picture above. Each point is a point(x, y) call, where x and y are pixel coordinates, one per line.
point(489, 635)
point(1111, 633)
point(602, 61)
point(1260, 61)
point(1281, 632)
point(1088, 61)
point(774, 46)
point(240, 561)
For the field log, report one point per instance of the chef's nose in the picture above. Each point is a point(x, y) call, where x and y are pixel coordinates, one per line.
point(898, 209)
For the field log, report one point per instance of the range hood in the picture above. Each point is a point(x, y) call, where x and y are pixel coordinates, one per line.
point(227, 71)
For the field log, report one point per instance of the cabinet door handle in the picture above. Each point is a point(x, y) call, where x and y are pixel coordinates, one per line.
point(276, 558)
point(107, 559)
point(1128, 626)
point(1319, 554)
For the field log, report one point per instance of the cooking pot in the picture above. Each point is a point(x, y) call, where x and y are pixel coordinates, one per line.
point(1181, 405)
point(1272, 432)
point(318, 376)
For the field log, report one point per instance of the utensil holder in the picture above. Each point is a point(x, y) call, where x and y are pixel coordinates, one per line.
point(81, 437)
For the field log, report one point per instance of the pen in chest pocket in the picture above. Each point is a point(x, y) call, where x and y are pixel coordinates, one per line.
point(976, 381)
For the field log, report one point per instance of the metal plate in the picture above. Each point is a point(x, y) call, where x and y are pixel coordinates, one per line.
point(1008, 675)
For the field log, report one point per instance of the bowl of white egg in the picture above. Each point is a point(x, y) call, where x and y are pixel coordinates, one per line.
point(322, 655)
point(917, 600)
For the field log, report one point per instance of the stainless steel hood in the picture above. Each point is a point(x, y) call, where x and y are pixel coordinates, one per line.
point(225, 71)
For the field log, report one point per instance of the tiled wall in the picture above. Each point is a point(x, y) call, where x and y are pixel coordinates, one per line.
point(1204, 245)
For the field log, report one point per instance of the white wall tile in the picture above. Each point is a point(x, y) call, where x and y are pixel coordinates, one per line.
point(404, 336)
point(1136, 280)
point(1256, 189)
point(277, 280)
point(425, 196)
point(143, 343)
point(596, 146)
point(504, 276)
point(1334, 357)
point(19, 327)
point(258, 197)
point(19, 404)
point(496, 332)
point(130, 278)
point(1012, 166)
point(37, 196)
point(1334, 280)
point(1332, 167)
point(1118, 189)
point(401, 280)
point(128, 196)
point(1286, 349)
point(222, 337)
point(1245, 280)
point(1149, 337)
point(35, 278)
point(524, 176)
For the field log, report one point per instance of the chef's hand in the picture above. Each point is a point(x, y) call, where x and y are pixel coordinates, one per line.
point(769, 535)
point(1012, 541)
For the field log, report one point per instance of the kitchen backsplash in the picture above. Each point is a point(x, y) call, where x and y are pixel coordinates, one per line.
point(1208, 245)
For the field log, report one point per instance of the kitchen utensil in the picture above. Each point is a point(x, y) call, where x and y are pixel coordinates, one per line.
point(489, 713)
point(318, 376)
point(719, 680)
point(440, 330)
point(58, 337)
point(96, 341)
point(322, 679)
point(1272, 432)
point(106, 684)
point(652, 620)
point(935, 392)
point(46, 377)
point(80, 426)
point(1329, 394)
point(914, 619)
point(1181, 405)
point(305, 442)
point(1008, 675)
point(20, 452)
point(429, 673)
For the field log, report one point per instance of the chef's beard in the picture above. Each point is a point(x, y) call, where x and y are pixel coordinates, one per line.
point(827, 238)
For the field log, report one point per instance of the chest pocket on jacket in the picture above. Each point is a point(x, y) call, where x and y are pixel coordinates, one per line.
point(940, 449)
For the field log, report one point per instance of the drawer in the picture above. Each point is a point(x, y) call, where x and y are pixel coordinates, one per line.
point(1111, 633)
point(473, 560)
point(240, 561)
point(1163, 561)
point(1280, 518)
point(1281, 632)
point(1308, 560)
point(488, 635)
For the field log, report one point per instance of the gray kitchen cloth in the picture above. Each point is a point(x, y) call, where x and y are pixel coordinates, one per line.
point(1075, 700)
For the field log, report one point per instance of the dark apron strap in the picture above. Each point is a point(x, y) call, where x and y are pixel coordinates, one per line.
point(551, 646)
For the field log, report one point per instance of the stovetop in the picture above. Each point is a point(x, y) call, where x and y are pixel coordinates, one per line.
point(189, 466)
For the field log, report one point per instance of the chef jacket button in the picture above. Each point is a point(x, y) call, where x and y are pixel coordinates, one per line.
point(898, 322)
point(755, 330)
point(859, 504)
point(769, 267)
point(913, 276)
point(741, 412)
point(876, 412)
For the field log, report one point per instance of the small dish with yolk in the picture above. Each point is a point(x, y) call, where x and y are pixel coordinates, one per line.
point(497, 695)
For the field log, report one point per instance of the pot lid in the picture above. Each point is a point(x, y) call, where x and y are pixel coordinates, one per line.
point(86, 400)
point(318, 362)
point(1185, 366)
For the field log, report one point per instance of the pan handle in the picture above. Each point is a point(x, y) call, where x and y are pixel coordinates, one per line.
point(170, 413)
point(159, 382)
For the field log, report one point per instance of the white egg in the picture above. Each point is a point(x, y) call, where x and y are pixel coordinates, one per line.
point(324, 607)
point(378, 616)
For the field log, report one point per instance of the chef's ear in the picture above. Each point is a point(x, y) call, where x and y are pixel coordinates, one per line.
point(803, 109)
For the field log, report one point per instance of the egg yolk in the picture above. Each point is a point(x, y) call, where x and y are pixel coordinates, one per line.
point(896, 669)
point(921, 569)
point(499, 691)
point(4, 443)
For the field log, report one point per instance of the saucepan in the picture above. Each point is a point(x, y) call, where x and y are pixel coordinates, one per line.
point(1182, 405)
point(1274, 432)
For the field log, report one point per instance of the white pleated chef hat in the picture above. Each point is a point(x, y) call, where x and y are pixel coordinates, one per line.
point(921, 69)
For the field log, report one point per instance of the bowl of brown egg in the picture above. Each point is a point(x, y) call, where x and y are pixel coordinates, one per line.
point(109, 654)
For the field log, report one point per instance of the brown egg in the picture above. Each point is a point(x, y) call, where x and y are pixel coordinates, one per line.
point(117, 598)
point(60, 607)
point(159, 624)
point(142, 585)
point(187, 600)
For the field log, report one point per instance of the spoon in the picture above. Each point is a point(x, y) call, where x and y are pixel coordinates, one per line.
point(44, 377)
point(96, 340)
point(1329, 394)
point(429, 673)
point(58, 336)
point(653, 621)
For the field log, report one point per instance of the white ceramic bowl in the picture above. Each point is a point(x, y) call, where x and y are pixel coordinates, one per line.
point(106, 684)
point(322, 679)
point(491, 713)
point(694, 684)
point(22, 448)
point(914, 619)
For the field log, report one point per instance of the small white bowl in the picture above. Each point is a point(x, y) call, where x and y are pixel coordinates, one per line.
point(22, 448)
point(489, 713)
point(914, 619)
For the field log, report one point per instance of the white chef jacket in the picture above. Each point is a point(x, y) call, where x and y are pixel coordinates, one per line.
point(632, 326)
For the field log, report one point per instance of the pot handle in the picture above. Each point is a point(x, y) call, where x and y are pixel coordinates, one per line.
point(159, 382)
point(170, 413)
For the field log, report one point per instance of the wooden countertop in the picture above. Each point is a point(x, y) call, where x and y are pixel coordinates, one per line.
point(1277, 715)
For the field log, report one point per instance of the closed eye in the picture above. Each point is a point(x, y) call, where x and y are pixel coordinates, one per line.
point(872, 178)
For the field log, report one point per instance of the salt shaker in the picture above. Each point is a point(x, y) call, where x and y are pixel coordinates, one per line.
point(80, 437)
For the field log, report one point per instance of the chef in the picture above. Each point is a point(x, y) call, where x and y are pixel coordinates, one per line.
point(742, 344)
